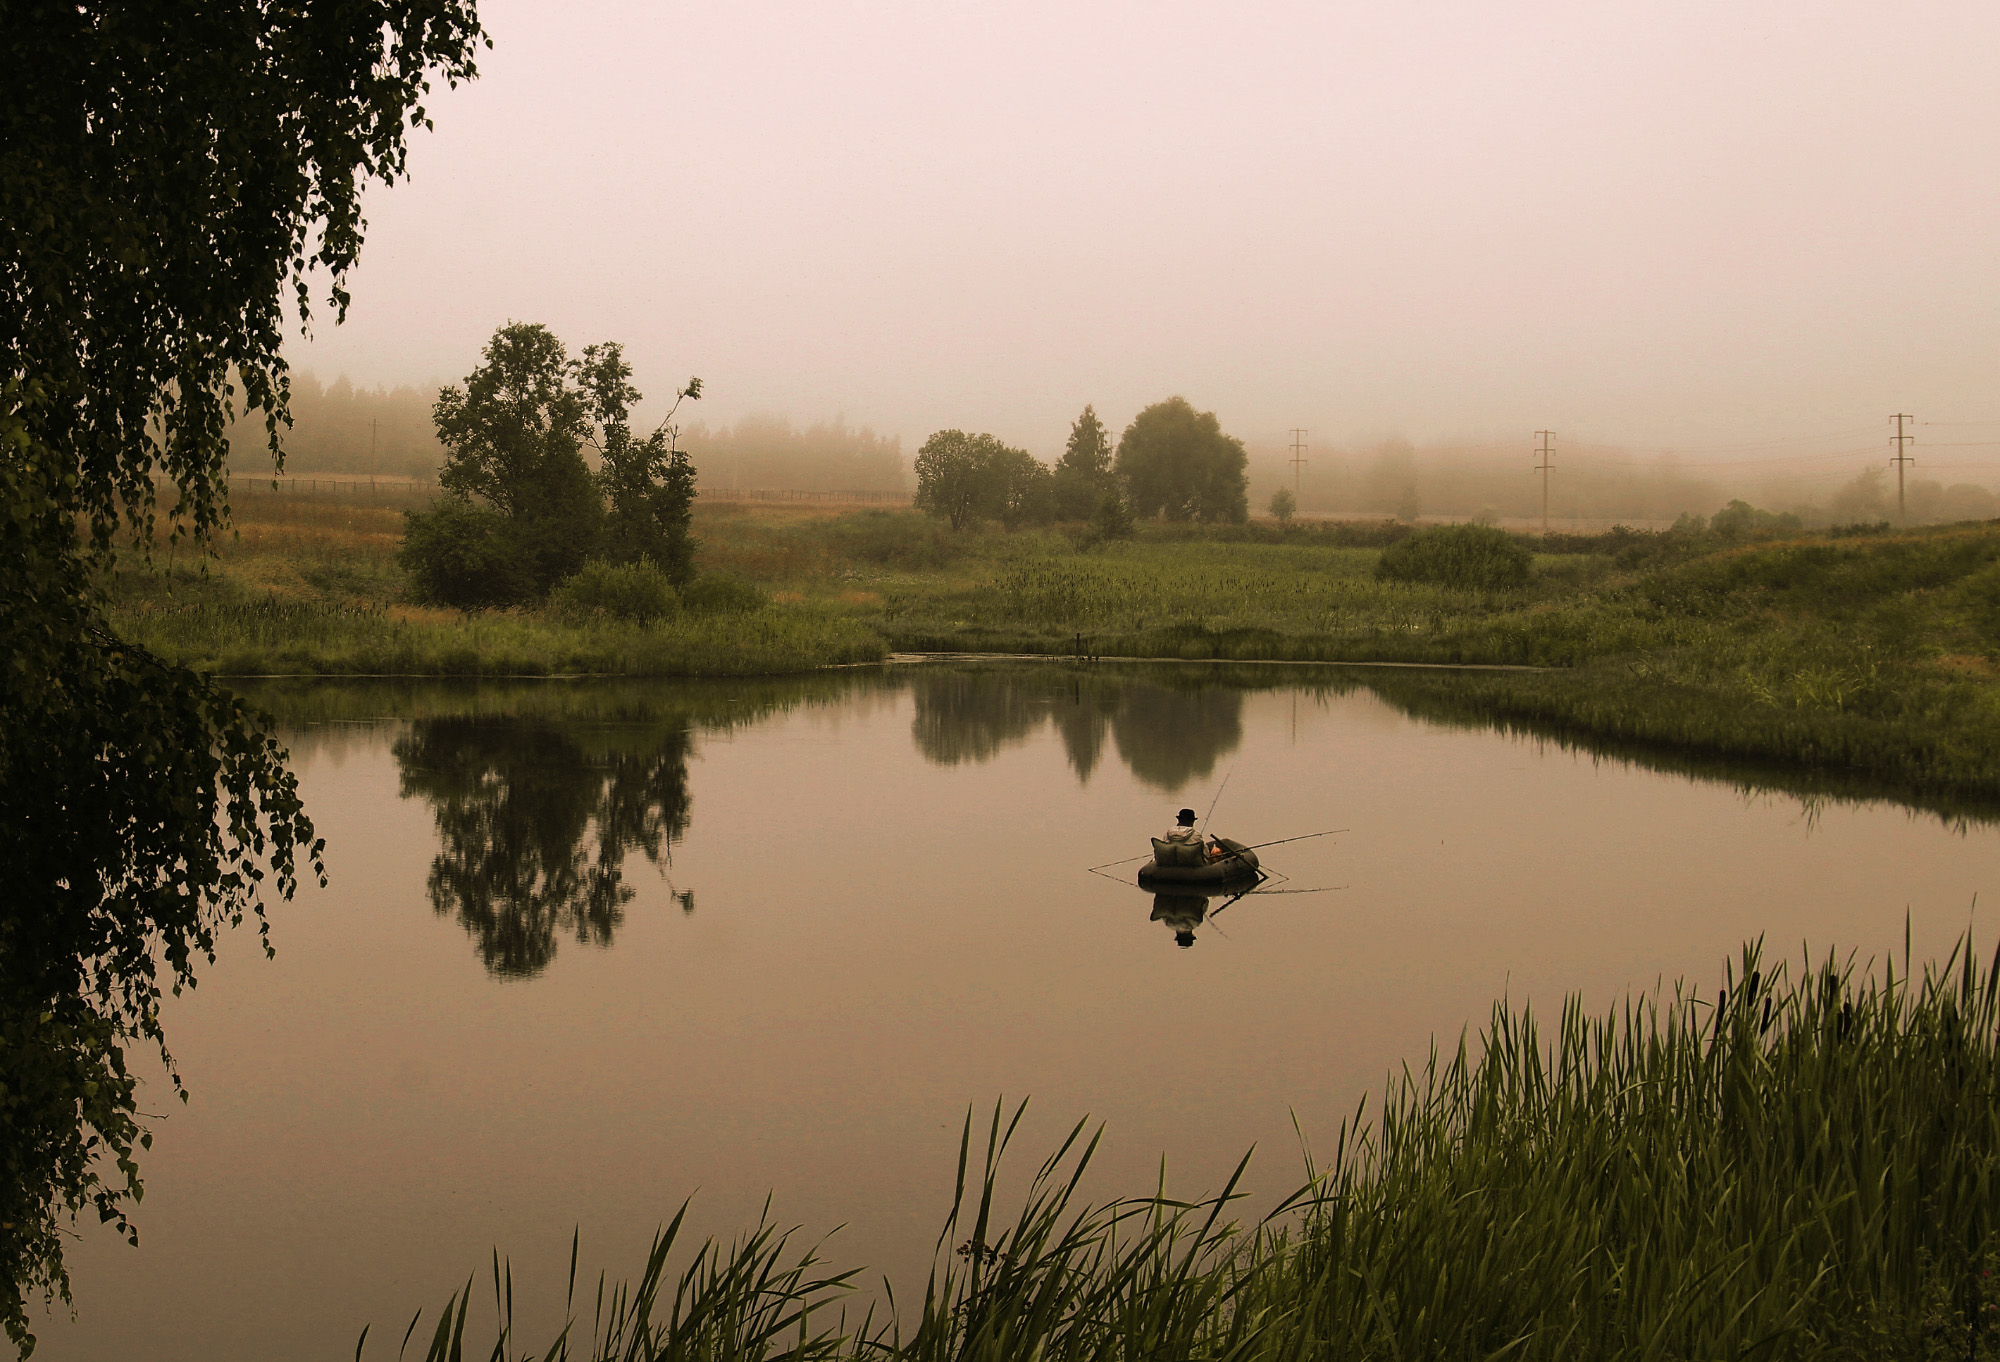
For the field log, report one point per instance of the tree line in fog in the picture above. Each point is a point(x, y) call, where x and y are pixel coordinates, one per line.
point(1396, 479)
point(390, 432)
point(339, 428)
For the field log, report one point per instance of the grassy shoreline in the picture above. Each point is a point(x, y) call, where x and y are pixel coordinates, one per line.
point(272, 637)
point(1876, 655)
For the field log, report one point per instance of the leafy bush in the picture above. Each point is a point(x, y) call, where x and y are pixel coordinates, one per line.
point(639, 592)
point(1741, 520)
point(1468, 557)
point(716, 593)
point(1113, 518)
point(463, 556)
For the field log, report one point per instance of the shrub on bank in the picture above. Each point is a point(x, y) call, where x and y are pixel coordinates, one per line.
point(639, 592)
point(1467, 557)
point(719, 593)
point(460, 555)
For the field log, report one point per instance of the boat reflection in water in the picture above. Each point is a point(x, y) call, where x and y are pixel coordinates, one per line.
point(1182, 913)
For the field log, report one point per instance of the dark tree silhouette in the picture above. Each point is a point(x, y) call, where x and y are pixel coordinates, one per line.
point(1170, 736)
point(536, 820)
point(171, 175)
point(1083, 476)
point(1167, 735)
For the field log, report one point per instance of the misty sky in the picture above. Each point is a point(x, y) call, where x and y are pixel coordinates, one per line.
point(1737, 230)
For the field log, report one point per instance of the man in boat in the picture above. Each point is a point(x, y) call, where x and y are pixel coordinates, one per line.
point(1183, 831)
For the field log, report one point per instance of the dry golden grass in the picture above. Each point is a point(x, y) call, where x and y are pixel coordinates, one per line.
point(1968, 664)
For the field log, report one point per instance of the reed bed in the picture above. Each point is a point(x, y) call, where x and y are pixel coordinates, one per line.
point(1803, 1167)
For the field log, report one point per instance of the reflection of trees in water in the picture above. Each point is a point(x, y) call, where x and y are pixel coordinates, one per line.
point(973, 716)
point(535, 818)
point(1083, 724)
point(1170, 737)
point(1168, 734)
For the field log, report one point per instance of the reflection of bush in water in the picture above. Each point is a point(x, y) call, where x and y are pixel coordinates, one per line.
point(535, 819)
point(1167, 734)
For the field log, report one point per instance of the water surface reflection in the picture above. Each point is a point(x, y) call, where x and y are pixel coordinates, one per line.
point(541, 804)
point(1181, 913)
point(535, 821)
point(1168, 730)
point(895, 925)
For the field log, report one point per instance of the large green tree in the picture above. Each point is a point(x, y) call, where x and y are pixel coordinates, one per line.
point(521, 508)
point(1176, 461)
point(173, 177)
point(513, 438)
point(965, 478)
point(1023, 489)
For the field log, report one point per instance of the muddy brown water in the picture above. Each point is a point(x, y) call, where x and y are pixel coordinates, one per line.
point(590, 950)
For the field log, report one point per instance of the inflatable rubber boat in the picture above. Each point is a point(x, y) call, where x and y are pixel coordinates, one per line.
point(1198, 863)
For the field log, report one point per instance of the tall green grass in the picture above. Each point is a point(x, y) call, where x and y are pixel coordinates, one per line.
point(1802, 1167)
point(266, 636)
point(1873, 655)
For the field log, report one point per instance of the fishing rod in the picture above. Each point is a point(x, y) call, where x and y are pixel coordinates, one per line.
point(1217, 800)
point(1304, 837)
point(1093, 869)
point(1234, 899)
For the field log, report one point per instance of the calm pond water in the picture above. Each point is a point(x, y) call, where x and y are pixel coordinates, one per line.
point(590, 949)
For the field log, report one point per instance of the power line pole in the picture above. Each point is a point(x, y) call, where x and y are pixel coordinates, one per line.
point(1899, 458)
point(1298, 460)
point(1548, 454)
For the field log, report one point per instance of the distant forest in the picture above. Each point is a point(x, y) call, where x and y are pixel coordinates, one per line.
point(387, 432)
point(340, 428)
point(770, 452)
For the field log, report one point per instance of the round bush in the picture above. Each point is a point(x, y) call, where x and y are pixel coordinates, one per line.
point(463, 556)
point(639, 592)
point(1468, 557)
point(722, 592)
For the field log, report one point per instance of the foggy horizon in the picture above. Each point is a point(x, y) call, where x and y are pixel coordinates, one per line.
point(1744, 239)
